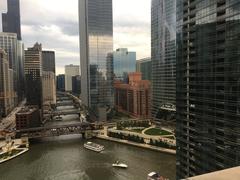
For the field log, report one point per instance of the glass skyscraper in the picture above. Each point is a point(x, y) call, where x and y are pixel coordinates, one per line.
point(208, 86)
point(124, 62)
point(96, 47)
point(11, 19)
point(163, 47)
point(145, 67)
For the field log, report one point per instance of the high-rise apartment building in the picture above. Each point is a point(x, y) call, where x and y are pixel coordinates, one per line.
point(163, 47)
point(11, 20)
point(48, 61)
point(96, 47)
point(33, 74)
point(124, 62)
point(70, 71)
point(61, 82)
point(48, 87)
point(145, 67)
point(208, 66)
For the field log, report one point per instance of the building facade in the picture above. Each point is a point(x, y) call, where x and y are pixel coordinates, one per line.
point(76, 85)
point(33, 75)
point(208, 64)
point(70, 71)
point(124, 62)
point(61, 82)
point(133, 98)
point(8, 42)
point(6, 100)
point(96, 47)
point(145, 67)
point(48, 87)
point(11, 20)
point(28, 117)
point(163, 55)
point(48, 61)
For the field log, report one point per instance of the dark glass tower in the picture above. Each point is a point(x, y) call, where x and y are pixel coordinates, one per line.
point(96, 47)
point(48, 61)
point(163, 55)
point(208, 86)
point(11, 19)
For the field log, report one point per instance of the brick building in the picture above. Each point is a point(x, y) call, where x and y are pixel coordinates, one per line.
point(133, 98)
point(28, 117)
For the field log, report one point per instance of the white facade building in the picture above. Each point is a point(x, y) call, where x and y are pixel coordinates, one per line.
point(48, 87)
point(70, 70)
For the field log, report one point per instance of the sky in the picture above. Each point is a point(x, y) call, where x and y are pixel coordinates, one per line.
point(54, 23)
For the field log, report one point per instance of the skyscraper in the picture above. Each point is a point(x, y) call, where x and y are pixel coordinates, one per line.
point(6, 103)
point(96, 46)
point(9, 43)
point(163, 45)
point(208, 64)
point(48, 61)
point(70, 71)
point(11, 20)
point(48, 87)
point(33, 75)
point(61, 82)
point(145, 67)
point(124, 62)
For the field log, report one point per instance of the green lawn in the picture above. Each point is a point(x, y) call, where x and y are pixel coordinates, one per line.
point(157, 132)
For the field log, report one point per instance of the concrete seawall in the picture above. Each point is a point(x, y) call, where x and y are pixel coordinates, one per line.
point(146, 146)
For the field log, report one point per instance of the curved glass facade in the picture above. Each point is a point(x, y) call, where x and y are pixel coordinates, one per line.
point(208, 91)
point(163, 30)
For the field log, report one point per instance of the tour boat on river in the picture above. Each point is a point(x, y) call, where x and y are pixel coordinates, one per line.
point(119, 165)
point(93, 146)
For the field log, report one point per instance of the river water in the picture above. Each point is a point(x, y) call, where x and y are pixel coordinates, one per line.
point(65, 158)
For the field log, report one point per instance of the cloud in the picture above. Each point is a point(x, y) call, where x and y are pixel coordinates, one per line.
point(54, 23)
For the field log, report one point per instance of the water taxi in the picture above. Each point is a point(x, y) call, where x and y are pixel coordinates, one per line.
point(93, 146)
point(155, 176)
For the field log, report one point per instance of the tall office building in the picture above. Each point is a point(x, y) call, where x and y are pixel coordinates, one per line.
point(48, 61)
point(70, 71)
point(76, 85)
point(96, 46)
point(124, 62)
point(208, 86)
point(33, 74)
point(11, 20)
point(48, 87)
point(8, 42)
point(6, 103)
point(145, 67)
point(61, 82)
point(163, 47)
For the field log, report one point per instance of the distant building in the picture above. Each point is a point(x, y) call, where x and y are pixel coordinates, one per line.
point(76, 85)
point(33, 73)
point(28, 117)
point(11, 21)
point(6, 101)
point(145, 67)
point(124, 62)
point(48, 61)
point(70, 71)
point(163, 56)
point(133, 98)
point(48, 87)
point(96, 47)
point(61, 82)
point(9, 43)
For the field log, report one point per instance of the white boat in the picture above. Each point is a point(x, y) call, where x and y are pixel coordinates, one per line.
point(120, 165)
point(93, 146)
point(155, 176)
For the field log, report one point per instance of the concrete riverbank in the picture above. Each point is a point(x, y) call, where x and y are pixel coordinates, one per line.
point(146, 146)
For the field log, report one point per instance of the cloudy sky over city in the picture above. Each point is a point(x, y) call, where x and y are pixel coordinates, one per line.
point(54, 23)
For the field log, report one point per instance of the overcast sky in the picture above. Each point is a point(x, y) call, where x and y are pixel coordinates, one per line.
point(54, 23)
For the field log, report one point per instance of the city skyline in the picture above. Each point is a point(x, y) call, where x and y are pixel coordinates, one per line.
point(57, 28)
